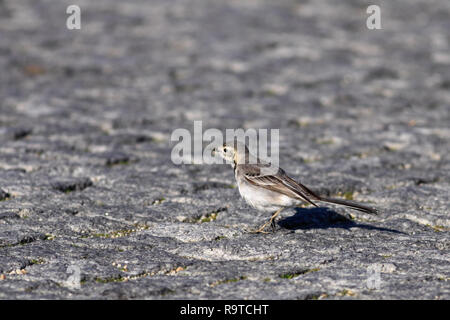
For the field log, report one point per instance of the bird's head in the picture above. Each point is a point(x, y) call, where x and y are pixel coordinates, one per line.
point(234, 152)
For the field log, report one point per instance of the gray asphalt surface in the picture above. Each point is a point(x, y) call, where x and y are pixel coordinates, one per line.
point(87, 187)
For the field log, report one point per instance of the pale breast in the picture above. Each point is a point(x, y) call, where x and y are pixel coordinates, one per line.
point(263, 199)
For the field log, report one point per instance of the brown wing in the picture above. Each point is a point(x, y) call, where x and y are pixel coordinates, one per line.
point(278, 182)
point(282, 183)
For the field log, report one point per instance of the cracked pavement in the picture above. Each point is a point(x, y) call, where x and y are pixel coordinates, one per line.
point(86, 181)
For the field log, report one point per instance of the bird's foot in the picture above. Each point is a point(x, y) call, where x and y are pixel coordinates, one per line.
point(273, 226)
point(261, 229)
point(271, 222)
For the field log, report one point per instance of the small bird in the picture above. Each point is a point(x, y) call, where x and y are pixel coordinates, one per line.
point(268, 188)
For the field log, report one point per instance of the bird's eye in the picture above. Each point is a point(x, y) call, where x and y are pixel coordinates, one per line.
point(225, 149)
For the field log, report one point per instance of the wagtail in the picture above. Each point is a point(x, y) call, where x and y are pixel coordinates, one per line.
point(268, 188)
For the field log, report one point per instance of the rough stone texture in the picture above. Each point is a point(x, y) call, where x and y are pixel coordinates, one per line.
point(85, 173)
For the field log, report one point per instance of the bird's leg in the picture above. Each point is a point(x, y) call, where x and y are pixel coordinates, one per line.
point(272, 219)
point(271, 222)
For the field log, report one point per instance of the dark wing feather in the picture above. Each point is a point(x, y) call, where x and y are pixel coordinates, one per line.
point(279, 182)
point(282, 183)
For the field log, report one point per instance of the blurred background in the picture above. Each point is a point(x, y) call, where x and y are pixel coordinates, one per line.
point(143, 68)
point(86, 117)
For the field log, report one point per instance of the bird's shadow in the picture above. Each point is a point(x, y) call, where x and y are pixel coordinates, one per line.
point(324, 218)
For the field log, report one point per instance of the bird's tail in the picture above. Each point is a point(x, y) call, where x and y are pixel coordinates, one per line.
point(308, 195)
point(351, 204)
